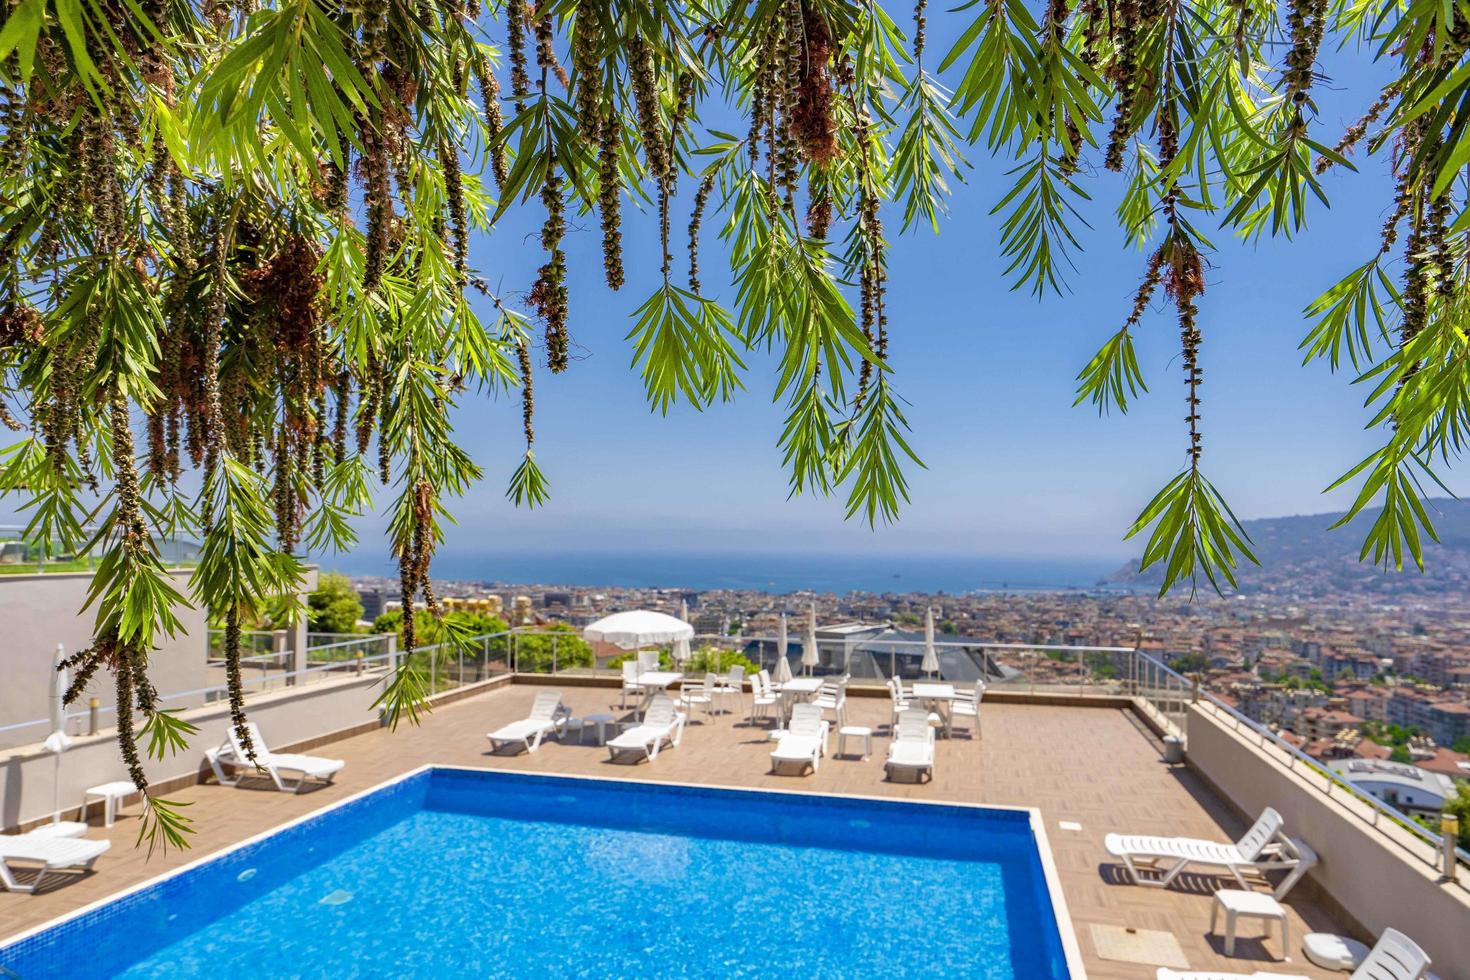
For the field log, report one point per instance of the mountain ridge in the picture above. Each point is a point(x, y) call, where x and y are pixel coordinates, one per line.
point(1299, 554)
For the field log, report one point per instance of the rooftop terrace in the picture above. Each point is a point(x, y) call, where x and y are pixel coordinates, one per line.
point(1096, 767)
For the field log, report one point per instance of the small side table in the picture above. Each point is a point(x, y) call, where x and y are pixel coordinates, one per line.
point(112, 795)
point(1251, 905)
point(602, 721)
point(855, 731)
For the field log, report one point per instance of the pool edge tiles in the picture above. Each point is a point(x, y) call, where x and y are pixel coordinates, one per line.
point(1011, 836)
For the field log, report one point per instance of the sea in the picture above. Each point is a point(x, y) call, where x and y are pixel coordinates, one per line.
point(773, 573)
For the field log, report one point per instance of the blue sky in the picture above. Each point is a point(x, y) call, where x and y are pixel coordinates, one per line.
point(1013, 468)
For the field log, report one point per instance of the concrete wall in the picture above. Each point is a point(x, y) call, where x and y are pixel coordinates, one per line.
point(286, 717)
point(1373, 874)
point(41, 611)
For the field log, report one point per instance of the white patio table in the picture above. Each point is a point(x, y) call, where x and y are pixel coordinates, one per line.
point(936, 697)
point(654, 681)
point(797, 687)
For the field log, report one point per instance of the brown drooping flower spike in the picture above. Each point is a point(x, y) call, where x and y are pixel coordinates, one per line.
point(646, 105)
point(520, 77)
point(1306, 22)
point(459, 225)
point(1126, 36)
point(696, 218)
point(494, 120)
point(587, 66)
point(609, 196)
point(549, 294)
point(811, 116)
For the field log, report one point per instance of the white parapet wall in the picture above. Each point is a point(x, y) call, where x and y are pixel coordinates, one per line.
point(288, 716)
point(1380, 876)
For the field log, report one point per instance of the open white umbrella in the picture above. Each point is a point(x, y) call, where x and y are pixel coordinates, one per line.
point(931, 655)
point(58, 741)
point(631, 630)
point(783, 665)
point(809, 641)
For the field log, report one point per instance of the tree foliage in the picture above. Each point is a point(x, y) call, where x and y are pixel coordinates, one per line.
point(334, 607)
point(235, 240)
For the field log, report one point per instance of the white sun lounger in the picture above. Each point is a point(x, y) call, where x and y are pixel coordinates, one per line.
point(231, 756)
point(50, 852)
point(547, 715)
point(1263, 848)
point(1394, 957)
point(805, 740)
point(912, 748)
point(661, 723)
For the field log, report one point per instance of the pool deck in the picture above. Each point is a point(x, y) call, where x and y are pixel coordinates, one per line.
point(1095, 767)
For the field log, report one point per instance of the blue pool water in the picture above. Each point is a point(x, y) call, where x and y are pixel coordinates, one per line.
point(460, 873)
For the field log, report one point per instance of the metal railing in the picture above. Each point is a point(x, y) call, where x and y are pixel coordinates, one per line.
point(22, 553)
point(1362, 804)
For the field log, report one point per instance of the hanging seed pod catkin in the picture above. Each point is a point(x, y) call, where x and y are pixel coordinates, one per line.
point(696, 218)
point(1306, 22)
point(520, 77)
point(458, 219)
point(549, 294)
point(609, 196)
point(587, 66)
point(494, 120)
point(646, 105)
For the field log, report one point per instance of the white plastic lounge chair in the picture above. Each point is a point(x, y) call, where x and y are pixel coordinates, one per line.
point(1394, 957)
point(547, 715)
point(1263, 848)
point(660, 724)
point(968, 707)
point(805, 740)
point(912, 748)
point(762, 697)
point(630, 682)
point(231, 755)
point(52, 853)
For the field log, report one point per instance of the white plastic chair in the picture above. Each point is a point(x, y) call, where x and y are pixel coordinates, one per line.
point(699, 694)
point(763, 696)
point(647, 660)
point(900, 704)
point(630, 682)
point(733, 684)
point(968, 707)
point(833, 697)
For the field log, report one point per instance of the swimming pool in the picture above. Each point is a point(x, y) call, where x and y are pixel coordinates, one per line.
point(461, 872)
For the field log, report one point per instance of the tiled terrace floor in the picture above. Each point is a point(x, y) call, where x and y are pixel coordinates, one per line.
point(1097, 767)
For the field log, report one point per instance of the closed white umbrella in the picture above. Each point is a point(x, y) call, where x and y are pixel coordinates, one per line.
point(58, 741)
point(783, 665)
point(931, 655)
point(809, 642)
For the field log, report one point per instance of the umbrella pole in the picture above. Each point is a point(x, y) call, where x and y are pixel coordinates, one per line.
point(56, 787)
